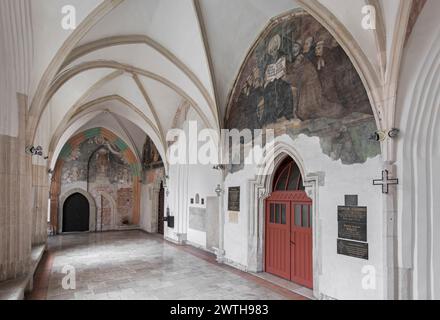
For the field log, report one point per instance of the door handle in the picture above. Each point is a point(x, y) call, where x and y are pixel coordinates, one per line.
point(292, 242)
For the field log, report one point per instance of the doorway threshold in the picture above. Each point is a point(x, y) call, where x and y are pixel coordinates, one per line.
point(295, 288)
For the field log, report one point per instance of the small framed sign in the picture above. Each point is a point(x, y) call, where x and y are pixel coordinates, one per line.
point(234, 199)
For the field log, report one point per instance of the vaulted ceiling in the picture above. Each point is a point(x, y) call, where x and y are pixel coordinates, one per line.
point(131, 64)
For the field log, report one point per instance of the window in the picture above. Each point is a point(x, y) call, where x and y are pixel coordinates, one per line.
point(278, 213)
point(288, 177)
point(303, 216)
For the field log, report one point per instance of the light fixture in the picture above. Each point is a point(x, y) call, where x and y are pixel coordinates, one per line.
point(218, 190)
point(393, 133)
point(383, 135)
point(34, 151)
point(378, 136)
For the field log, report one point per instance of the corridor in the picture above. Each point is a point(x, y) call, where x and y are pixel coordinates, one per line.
point(133, 265)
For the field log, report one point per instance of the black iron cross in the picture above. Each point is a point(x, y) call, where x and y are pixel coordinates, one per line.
point(385, 182)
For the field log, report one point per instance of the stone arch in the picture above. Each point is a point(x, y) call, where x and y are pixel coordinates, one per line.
point(93, 106)
point(144, 40)
point(37, 107)
point(92, 208)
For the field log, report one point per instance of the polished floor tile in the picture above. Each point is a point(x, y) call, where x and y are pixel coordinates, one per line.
point(137, 266)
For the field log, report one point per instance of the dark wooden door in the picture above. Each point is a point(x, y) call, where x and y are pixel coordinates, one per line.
point(76, 215)
point(161, 213)
point(278, 238)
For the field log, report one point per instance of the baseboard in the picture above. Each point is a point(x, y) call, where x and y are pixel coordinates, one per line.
point(234, 264)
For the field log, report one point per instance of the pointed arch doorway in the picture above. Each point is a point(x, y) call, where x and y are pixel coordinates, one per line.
point(289, 238)
point(76, 213)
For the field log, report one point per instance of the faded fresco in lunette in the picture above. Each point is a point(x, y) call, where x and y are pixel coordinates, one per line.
point(297, 80)
point(100, 166)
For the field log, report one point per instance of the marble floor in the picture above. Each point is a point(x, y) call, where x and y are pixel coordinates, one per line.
point(132, 265)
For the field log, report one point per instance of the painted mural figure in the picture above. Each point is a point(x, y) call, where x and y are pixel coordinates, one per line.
point(102, 163)
point(298, 79)
point(338, 74)
point(278, 100)
point(151, 158)
point(305, 85)
point(252, 99)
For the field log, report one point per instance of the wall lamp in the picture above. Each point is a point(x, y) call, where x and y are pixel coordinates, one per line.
point(35, 151)
point(218, 190)
point(382, 135)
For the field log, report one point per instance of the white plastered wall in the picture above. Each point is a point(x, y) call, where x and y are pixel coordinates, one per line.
point(340, 277)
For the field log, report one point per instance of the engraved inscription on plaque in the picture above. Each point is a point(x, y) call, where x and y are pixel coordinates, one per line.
point(352, 223)
point(234, 199)
point(353, 249)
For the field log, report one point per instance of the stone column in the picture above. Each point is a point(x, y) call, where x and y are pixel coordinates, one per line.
point(40, 186)
point(15, 201)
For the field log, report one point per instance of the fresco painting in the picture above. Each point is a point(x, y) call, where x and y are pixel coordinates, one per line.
point(100, 165)
point(151, 158)
point(298, 80)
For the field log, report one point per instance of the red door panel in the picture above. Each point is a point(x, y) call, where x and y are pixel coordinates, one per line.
point(289, 242)
point(278, 238)
point(301, 245)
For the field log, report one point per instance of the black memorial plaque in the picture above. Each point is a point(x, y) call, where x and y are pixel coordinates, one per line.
point(234, 199)
point(353, 249)
point(352, 223)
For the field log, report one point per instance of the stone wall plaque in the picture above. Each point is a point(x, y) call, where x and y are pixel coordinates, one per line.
point(197, 219)
point(212, 222)
point(353, 249)
point(233, 217)
point(352, 223)
point(234, 199)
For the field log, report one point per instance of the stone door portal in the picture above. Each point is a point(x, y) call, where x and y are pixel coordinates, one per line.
point(76, 215)
point(288, 238)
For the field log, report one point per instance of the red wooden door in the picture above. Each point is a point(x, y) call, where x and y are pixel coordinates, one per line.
point(278, 238)
point(289, 241)
point(301, 249)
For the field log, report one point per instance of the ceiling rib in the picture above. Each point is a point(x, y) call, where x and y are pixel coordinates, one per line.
point(152, 108)
point(127, 133)
point(143, 39)
point(39, 101)
point(82, 100)
point(202, 27)
point(106, 64)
